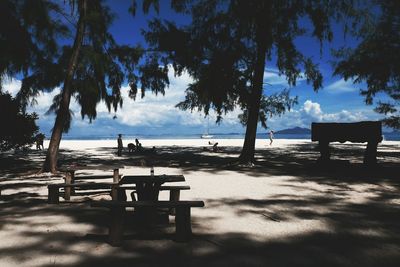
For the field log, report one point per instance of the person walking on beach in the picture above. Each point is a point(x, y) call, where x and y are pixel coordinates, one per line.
point(271, 137)
point(120, 145)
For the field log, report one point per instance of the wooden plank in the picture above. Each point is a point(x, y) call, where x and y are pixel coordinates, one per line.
point(95, 177)
point(171, 187)
point(133, 179)
point(160, 204)
point(356, 132)
point(162, 188)
point(85, 185)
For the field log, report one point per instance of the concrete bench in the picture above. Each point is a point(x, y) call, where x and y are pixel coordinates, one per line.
point(117, 215)
point(358, 132)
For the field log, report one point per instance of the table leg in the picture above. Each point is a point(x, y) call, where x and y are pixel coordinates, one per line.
point(116, 230)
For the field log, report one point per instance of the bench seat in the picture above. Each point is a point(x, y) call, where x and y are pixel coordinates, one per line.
point(118, 191)
point(117, 215)
point(54, 189)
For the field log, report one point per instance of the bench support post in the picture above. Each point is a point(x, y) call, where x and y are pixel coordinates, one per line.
point(114, 192)
point(323, 147)
point(174, 195)
point(116, 229)
point(183, 224)
point(69, 179)
point(53, 195)
point(116, 176)
point(370, 153)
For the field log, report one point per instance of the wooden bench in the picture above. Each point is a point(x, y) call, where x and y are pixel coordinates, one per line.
point(358, 132)
point(174, 190)
point(70, 178)
point(54, 190)
point(117, 215)
point(174, 193)
point(117, 191)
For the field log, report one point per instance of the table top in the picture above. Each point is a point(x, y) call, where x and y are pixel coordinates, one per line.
point(133, 179)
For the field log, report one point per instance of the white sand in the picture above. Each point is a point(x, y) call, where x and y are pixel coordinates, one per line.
point(281, 213)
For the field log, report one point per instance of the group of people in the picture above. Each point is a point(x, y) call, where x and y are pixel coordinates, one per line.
point(131, 146)
point(138, 146)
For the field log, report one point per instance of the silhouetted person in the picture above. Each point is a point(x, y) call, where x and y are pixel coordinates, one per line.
point(39, 141)
point(120, 145)
point(271, 137)
point(215, 147)
point(137, 142)
point(131, 147)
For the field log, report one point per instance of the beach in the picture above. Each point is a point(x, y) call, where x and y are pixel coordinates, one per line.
point(284, 211)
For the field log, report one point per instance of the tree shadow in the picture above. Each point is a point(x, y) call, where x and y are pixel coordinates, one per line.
point(355, 209)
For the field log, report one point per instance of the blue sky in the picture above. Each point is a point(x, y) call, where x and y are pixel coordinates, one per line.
point(337, 101)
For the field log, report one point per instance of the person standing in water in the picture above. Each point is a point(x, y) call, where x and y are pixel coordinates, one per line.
point(271, 137)
point(120, 145)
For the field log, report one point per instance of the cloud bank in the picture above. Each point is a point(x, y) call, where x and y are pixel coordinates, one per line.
point(158, 114)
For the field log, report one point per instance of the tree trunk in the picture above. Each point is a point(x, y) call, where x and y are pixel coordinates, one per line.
point(50, 163)
point(247, 154)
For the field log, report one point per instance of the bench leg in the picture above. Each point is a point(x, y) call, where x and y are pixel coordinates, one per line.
point(116, 176)
point(323, 147)
point(114, 193)
point(69, 179)
point(116, 230)
point(183, 224)
point(133, 197)
point(53, 196)
point(174, 195)
point(370, 153)
point(121, 194)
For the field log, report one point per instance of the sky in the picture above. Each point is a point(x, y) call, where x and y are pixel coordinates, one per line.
point(337, 101)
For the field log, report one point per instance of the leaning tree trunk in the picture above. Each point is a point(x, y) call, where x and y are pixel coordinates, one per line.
point(50, 163)
point(247, 154)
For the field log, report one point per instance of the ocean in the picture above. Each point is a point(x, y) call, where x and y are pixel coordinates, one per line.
point(387, 136)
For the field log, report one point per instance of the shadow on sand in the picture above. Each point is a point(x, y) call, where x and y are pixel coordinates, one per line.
point(358, 233)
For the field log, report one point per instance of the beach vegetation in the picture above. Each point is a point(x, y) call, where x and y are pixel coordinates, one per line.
point(87, 65)
point(18, 129)
point(228, 45)
point(375, 62)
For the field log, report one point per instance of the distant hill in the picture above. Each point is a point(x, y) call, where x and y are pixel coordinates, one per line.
point(295, 130)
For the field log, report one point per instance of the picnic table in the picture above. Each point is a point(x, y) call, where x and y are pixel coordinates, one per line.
point(148, 186)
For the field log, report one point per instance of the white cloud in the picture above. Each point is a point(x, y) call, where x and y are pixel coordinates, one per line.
point(12, 86)
point(272, 77)
point(341, 86)
point(312, 112)
point(159, 112)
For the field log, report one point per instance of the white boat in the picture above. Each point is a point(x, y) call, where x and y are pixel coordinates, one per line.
point(207, 135)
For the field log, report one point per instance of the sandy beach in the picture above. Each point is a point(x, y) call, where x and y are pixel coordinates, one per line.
point(284, 211)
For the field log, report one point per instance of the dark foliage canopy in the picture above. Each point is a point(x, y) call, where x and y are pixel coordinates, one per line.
point(219, 49)
point(376, 61)
point(103, 66)
point(17, 129)
point(28, 35)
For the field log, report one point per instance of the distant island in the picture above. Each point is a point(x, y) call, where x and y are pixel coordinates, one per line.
point(295, 130)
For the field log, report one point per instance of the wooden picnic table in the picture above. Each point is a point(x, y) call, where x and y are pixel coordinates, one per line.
point(148, 186)
point(147, 189)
